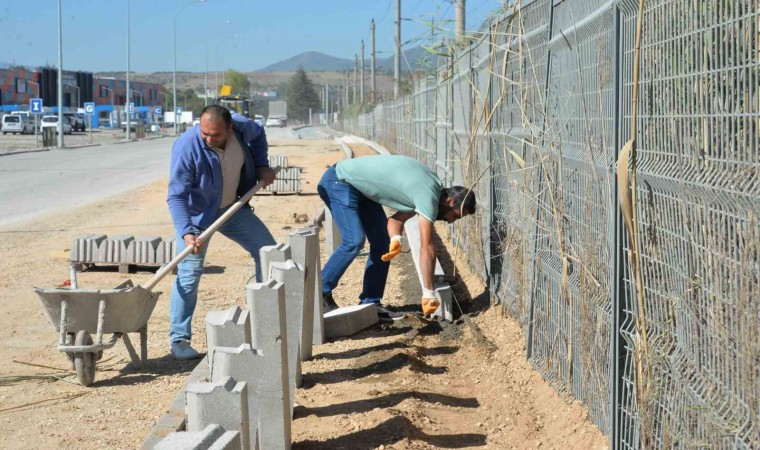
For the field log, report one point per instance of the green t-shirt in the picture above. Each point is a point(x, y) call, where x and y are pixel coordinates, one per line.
point(398, 182)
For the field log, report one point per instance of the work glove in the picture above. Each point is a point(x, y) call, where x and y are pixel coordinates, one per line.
point(429, 303)
point(393, 250)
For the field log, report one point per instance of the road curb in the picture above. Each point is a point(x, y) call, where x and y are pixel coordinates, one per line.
point(34, 150)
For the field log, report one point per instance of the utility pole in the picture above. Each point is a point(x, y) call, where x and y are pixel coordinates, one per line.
point(129, 92)
point(346, 93)
point(356, 69)
point(372, 63)
point(459, 37)
point(327, 100)
point(361, 78)
point(397, 54)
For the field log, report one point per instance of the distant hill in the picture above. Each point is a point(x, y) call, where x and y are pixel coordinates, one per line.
point(311, 62)
point(416, 57)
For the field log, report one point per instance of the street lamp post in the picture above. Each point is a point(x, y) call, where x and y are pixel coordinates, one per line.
point(205, 76)
point(174, 58)
point(234, 36)
point(128, 90)
point(60, 79)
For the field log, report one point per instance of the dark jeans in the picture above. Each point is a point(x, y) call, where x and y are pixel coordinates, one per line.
point(357, 218)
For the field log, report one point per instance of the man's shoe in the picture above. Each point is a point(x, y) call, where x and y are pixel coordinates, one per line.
point(182, 350)
point(328, 303)
point(387, 316)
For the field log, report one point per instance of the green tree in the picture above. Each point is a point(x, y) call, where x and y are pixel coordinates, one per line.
point(239, 82)
point(301, 95)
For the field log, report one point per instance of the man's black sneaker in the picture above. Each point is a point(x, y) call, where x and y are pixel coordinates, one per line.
point(386, 315)
point(328, 303)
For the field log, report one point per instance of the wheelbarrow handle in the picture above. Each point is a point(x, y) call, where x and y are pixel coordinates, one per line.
point(208, 232)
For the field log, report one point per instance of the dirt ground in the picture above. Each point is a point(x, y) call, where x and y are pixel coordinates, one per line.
point(407, 386)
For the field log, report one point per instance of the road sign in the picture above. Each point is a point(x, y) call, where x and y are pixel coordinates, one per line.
point(131, 107)
point(179, 110)
point(35, 105)
point(157, 110)
point(89, 108)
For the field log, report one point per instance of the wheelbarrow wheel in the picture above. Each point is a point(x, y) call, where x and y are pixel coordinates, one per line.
point(84, 362)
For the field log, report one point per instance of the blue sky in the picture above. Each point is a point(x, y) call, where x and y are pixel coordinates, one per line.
point(269, 31)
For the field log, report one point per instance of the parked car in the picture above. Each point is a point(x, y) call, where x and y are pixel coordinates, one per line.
point(16, 123)
point(52, 122)
point(274, 122)
point(133, 123)
point(76, 120)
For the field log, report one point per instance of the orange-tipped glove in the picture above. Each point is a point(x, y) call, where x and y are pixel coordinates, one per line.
point(429, 303)
point(393, 250)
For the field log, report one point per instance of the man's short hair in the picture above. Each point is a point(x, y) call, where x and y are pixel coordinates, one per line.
point(218, 112)
point(464, 199)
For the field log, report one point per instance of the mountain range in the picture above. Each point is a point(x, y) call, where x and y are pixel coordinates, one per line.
point(415, 58)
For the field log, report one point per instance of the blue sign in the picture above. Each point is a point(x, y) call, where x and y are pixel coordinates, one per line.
point(131, 107)
point(89, 108)
point(179, 110)
point(157, 110)
point(35, 105)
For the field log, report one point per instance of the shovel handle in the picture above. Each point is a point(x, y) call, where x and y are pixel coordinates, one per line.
point(206, 233)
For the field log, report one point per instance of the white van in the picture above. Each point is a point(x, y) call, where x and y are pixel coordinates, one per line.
point(29, 117)
point(16, 123)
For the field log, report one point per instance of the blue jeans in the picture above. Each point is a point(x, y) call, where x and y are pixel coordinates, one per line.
point(357, 218)
point(244, 228)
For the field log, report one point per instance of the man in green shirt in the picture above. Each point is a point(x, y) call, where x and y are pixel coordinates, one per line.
point(356, 190)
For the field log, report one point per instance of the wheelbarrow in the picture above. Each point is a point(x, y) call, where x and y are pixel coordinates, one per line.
point(76, 313)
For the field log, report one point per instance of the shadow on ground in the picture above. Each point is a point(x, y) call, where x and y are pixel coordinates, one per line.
point(361, 406)
point(389, 432)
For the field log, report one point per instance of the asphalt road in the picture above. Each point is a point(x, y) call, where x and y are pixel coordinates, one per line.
point(40, 182)
point(36, 183)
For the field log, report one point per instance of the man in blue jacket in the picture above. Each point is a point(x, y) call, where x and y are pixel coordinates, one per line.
point(212, 165)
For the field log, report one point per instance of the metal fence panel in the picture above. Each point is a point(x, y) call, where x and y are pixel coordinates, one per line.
point(699, 200)
point(540, 104)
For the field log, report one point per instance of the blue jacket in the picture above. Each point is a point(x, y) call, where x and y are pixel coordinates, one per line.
point(195, 174)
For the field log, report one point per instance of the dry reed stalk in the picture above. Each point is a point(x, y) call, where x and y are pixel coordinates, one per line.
point(628, 196)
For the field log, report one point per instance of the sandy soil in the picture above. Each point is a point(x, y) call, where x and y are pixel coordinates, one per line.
point(412, 385)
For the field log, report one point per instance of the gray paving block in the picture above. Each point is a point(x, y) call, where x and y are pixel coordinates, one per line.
point(146, 248)
point(304, 247)
point(228, 328)
point(278, 160)
point(213, 437)
point(273, 253)
point(332, 234)
point(412, 230)
point(318, 331)
point(245, 364)
point(114, 249)
point(165, 251)
point(349, 320)
point(93, 244)
point(77, 248)
point(292, 277)
point(266, 301)
point(224, 402)
point(444, 295)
